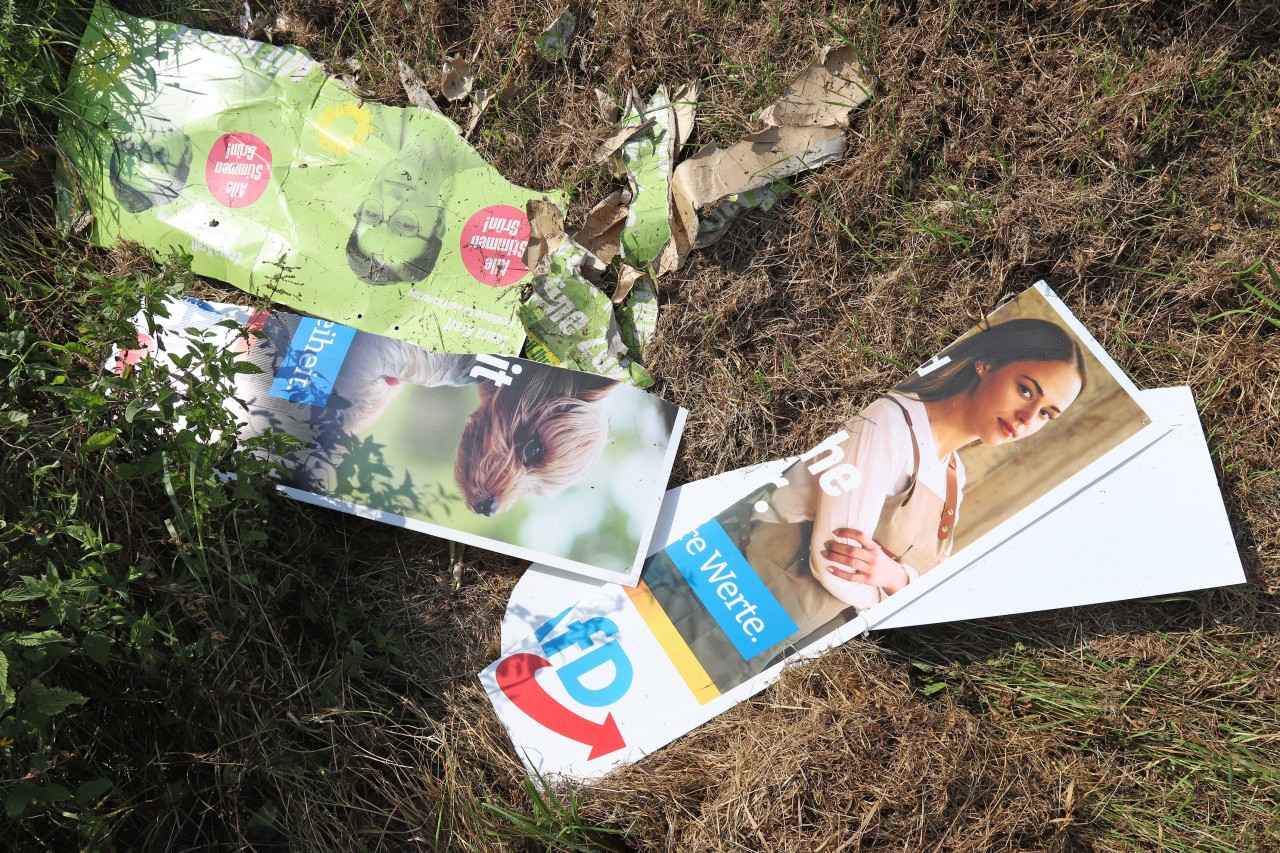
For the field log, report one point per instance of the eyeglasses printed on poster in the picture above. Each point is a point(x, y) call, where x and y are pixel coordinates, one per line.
point(527, 459)
point(275, 178)
point(997, 429)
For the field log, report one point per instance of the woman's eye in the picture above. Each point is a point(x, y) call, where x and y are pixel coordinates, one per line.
point(1046, 414)
point(531, 452)
point(1024, 391)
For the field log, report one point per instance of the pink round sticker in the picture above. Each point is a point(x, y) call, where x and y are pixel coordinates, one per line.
point(238, 169)
point(129, 357)
point(493, 244)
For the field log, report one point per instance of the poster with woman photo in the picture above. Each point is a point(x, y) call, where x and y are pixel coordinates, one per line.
point(994, 423)
point(1020, 413)
point(543, 463)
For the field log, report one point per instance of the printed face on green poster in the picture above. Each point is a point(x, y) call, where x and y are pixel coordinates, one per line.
point(277, 179)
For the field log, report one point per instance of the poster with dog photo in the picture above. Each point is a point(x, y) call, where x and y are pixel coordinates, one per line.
point(547, 464)
point(1019, 414)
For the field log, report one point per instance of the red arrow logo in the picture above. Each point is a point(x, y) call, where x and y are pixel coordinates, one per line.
point(516, 680)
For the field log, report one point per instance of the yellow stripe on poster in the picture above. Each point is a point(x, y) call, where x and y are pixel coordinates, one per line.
point(537, 351)
point(678, 651)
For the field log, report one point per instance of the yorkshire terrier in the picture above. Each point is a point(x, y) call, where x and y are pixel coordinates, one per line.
point(536, 437)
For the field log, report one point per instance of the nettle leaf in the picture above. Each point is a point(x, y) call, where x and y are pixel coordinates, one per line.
point(99, 440)
point(97, 647)
point(12, 417)
point(23, 594)
point(80, 586)
point(39, 638)
point(52, 700)
point(246, 367)
point(4, 672)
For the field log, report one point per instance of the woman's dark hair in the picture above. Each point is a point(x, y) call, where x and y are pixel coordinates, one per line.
point(995, 346)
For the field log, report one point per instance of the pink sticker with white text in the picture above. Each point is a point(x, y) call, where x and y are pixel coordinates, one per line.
point(493, 244)
point(238, 169)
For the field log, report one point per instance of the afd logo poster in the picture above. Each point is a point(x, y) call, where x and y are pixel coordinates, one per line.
point(1019, 415)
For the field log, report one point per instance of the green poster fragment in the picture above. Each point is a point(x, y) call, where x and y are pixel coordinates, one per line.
point(554, 43)
point(648, 158)
point(638, 316)
point(570, 322)
point(716, 219)
point(278, 180)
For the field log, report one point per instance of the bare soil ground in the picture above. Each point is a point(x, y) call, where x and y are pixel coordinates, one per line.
point(1127, 151)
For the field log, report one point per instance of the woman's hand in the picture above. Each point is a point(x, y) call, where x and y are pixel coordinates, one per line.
point(867, 562)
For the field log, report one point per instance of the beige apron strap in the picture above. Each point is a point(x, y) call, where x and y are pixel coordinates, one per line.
point(946, 525)
point(947, 522)
point(915, 451)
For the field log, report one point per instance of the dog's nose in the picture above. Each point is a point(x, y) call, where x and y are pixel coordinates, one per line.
point(487, 505)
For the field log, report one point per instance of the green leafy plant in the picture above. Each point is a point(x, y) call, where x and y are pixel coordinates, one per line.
point(1260, 304)
point(553, 819)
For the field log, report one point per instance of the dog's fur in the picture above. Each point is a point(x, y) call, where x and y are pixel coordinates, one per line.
point(555, 412)
point(557, 408)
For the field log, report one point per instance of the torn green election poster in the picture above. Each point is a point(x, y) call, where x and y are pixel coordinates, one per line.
point(571, 324)
point(648, 157)
point(638, 315)
point(275, 178)
point(553, 43)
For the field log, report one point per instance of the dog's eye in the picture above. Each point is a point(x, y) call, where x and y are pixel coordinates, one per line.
point(531, 453)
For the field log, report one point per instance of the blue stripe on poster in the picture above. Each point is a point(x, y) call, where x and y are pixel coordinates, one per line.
point(731, 590)
point(311, 364)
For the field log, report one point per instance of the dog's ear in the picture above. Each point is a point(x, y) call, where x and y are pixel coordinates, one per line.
point(591, 388)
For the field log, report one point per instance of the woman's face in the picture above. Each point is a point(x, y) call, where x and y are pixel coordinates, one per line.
point(1015, 401)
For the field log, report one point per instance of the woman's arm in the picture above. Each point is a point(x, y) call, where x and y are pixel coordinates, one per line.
point(879, 446)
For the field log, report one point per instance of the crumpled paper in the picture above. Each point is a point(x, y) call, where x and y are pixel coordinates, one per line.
point(570, 322)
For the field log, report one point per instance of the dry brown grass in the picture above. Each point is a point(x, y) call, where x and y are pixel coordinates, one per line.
point(1129, 152)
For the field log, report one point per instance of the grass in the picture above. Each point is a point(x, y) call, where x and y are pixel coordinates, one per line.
point(187, 663)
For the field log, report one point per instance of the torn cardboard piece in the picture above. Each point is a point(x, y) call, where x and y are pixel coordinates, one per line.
point(459, 76)
point(480, 101)
point(619, 138)
point(609, 109)
point(823, 94)
point(601, 232)
point(804, 129)
point(414, 88)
